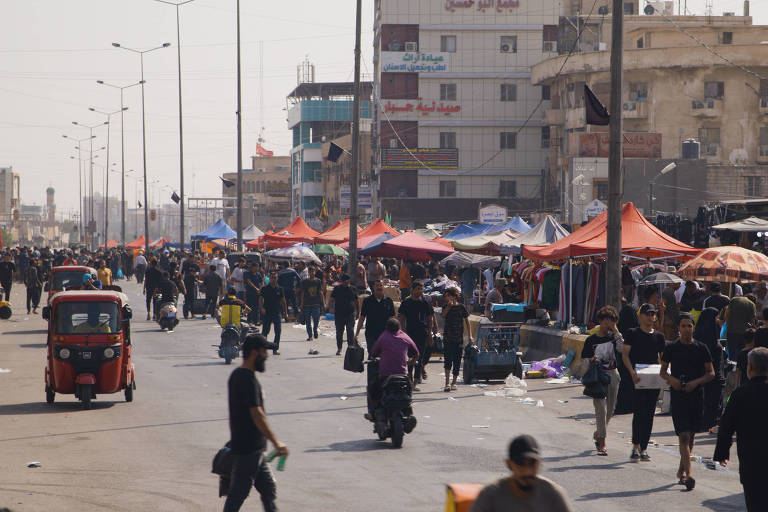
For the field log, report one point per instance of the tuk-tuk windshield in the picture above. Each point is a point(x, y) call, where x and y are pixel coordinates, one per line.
point(86, 318)
point(63, 279)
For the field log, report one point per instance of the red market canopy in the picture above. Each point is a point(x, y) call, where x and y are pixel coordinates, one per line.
point(111, 243)
point(364, 241)
point(639, 238)
point(336, 234)
point(136, 244)
point(377, 227)
point(160, 243)
point(411, 246)
point(296, 232)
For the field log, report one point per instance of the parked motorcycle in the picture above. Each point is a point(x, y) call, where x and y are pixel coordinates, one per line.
point(393, 414)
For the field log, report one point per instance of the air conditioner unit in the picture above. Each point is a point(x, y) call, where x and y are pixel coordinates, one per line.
point(550, 46)
point(411, 46)
point(505, 48)
point(393, 144)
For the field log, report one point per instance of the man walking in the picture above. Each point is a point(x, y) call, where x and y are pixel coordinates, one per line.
point(739, 315)
point(456, 323)
point(343, 305)
point(642, 345)
point(691, 366)
point(272, 304)
point(189, 271)
point(374, 312)
point(7, 269)
point(214, 286)
point(311, 302)
point(525, 489)
point(33, 280)
point(253, 281)
point(249, 429)
point(746, 414)
point(237, 279)
point(418, 319)
point(289, 281)
point(151, 279)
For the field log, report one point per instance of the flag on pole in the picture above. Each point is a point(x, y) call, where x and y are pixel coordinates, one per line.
point(334, 152)
point(260, 151)
point(175, 198)
point(323, 211)
point(596, 112)
point(139, 203)
point(388, 218)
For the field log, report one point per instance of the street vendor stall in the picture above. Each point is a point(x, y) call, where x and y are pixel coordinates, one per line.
point(296, 232)
point(297, 252)
point(410, 246)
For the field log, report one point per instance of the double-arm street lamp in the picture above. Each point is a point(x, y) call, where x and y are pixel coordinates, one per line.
point(91, 228)
point(181, 123)
point(123, 108)
point(143, 133)
point(106, 185)
point(80, 172)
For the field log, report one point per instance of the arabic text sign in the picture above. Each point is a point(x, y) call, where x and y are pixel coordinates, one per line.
point(364, 199)
point(635, 145)
point(433, 158)
point(481, 5)
point(492, 214)
point(425, 108)
point(414, 62)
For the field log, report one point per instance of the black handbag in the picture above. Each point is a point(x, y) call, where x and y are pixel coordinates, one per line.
point(222, 462)
point(439, 343)
point(353, 359)
point(595, 380)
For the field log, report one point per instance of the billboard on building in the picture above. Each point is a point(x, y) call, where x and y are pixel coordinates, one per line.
point(364, 197)
point(434, 158)
point(492, 214)
point(414, 62)
point(635, 145)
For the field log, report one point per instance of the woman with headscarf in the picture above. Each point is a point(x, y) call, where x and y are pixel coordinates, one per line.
point(627, 321)
point(708, 332)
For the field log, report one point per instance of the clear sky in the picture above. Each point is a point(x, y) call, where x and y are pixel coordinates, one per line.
point(52, 52)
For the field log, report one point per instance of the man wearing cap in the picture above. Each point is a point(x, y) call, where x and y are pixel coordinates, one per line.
point(525, 489)
point(249, 429)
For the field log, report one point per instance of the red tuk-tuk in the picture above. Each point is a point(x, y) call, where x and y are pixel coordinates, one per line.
point(66, 277)
point(89, 345)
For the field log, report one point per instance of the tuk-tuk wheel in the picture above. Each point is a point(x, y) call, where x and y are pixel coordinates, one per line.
point(85, 396)
point(129, 393)
point(50, 395)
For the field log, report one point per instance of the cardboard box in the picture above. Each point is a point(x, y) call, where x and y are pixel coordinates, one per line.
point(649, 377)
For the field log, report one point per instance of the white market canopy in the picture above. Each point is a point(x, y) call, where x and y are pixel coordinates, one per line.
point(464, 259)
point(748, 225)
point(298, 252)
point(544, 233)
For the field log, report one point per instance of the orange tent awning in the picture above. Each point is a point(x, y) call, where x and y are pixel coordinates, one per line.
point(336, 234)
point(159, 243)
point(111, 243)
point(638, 238)
point(378, 227)
point(136, 244)
point(297, 231)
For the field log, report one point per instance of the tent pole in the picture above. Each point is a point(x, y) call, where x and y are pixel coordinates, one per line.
point(570, 291)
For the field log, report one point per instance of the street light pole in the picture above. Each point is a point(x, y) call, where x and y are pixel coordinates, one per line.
point(181, 122)
point(143, 135)
point(239, 143)
point(354, 180)
point(665, 170)
point(123, 108)
point(90, 171)
point(80, 176)
point(106, 184)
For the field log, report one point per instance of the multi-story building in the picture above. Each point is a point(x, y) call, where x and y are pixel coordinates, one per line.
point(266, 193)
point(336, 180)
point(459, 123)
point(9, 193)
point(695, 92)
point(318, 112)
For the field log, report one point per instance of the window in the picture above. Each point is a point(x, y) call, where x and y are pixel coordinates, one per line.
point(508, 92)
point(447, 92)
point(640, 43)
point(763, 142)
point(447, 140)
point(545, 136)
point(725, 38)
point(714, 90)
point(629, 8)
point(710, 141)
point(600, 189)
point(638, 92)
point(447, 188)
point(448, 44)
point(508, 44)
point(549, 43)
point(507, 188)
point(753, 186)
point(508, 140)
point(545, 92)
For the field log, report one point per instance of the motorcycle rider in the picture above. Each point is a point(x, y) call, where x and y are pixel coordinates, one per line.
point(166, 290)
point(231, 308)
point(395, 350)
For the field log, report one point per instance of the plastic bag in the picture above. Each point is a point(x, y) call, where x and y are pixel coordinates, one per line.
point(513, 382)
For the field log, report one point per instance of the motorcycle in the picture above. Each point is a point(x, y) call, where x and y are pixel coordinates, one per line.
point(232, 338)
point(393, 415)
point(166, 315)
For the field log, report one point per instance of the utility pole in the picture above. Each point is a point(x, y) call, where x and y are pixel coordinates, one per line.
point(239, 143)
point(354, 179)
point(613, 263)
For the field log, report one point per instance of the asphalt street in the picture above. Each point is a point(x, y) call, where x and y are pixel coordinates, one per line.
point(155, 453)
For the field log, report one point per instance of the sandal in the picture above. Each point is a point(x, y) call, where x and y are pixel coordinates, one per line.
point(447, 389)
point(602, 452)
point(453, 387)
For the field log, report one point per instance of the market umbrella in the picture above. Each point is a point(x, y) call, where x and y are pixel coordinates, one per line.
point(329, 249)
point(297, 252)
point(409, 245)
point(727, 264)
point(660, 278)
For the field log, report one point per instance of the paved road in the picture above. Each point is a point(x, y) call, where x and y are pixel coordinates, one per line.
point(155, 453)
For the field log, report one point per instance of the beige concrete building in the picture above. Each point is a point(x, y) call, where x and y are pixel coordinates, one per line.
point(676, 89)
point(266, 193)
point(336, 179)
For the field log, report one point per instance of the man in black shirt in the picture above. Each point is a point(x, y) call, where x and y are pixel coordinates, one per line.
point(456, 321)
point(272, 304)
point(375, 312)
point(746, 414)
point(189, 271)
point(253, 281)
point(311, 302)
point(691, 366)
point(343, 305)
point(213, 284)
point(642, 345)
point(716, 299)
point(418, 320)
point(151, 279)
point(249, 429)
point(7, 269)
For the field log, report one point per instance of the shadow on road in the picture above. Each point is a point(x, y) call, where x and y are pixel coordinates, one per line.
point(361, 445)
point(732, 503)
point(613, 465)
point(32, 345)
point(624, 494)
point(24, 333)
point(566, 457)
point(330, 395)
point(312, 357)
point(206, 363)
point(46, 408)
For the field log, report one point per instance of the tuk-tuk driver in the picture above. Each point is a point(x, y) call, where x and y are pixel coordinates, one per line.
point(89, 283)
point(93, 324)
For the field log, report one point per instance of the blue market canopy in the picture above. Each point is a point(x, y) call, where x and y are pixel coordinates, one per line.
point(467, 230)
point(217, 231)
point(515, 224)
